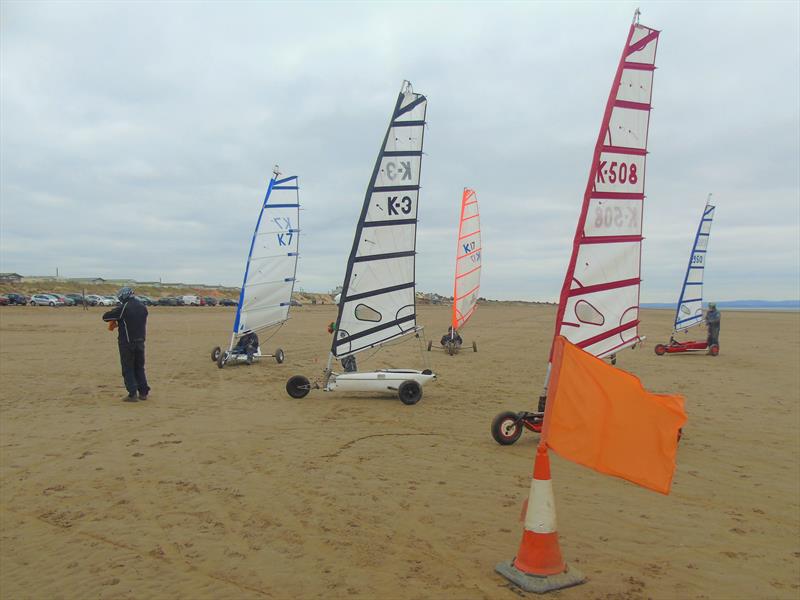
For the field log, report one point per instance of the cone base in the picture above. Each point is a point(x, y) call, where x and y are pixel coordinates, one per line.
point(540, 584)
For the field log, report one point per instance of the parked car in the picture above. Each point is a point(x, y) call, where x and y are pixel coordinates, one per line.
point(228, 302)
point(294, 303)
point(14, 298)
point(114, 300)
point(146, 300)
point(4, 301)
point(76, 298)
point(64, 300)
point(210, 301)
point(94, 300)
point(46, 300)
point(167, 301)
point(190, 300)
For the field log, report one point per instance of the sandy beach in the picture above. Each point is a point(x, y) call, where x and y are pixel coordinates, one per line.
point(221, 486)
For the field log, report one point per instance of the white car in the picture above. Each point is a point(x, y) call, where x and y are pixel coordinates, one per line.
point(191, 301)
point(96, 300)
point(45, 300)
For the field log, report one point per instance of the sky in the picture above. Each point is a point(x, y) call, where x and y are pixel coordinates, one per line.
point(137, 139)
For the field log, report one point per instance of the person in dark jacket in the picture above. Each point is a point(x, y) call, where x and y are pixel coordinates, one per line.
point(131, 320)
point(713, 318)
point(451, 335)
point(247, 344)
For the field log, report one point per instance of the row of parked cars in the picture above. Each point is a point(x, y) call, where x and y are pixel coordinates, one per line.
point(53, 299)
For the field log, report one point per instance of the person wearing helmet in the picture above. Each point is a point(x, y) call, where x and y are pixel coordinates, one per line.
point(131, 319)
point(451, 336)
point(713, 319)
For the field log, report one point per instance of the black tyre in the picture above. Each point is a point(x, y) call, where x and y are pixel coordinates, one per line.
point(250, 360)
point(660, 349)
point(223, 356)
point(713, 350)
point(430, 344)
point(506, 428)
point(451, 348)
point(410, 392)
point(298, 386)
point(279, 356)
point(215, 354)
point(474, 346)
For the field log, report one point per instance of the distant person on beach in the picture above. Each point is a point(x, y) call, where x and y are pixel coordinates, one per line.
point(451, 334)
point(713, 318)
point(131, 320)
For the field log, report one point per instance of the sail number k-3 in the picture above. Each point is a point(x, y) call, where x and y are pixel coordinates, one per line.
point(395, 206)
point(404, 170)
point(620, 172)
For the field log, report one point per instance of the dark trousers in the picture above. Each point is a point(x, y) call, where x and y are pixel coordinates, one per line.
point(713, 334)
point(131, 356)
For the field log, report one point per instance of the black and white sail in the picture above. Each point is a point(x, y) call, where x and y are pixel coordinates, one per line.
point(378, 296)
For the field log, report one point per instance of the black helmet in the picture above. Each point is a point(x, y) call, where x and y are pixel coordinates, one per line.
point(125, 294)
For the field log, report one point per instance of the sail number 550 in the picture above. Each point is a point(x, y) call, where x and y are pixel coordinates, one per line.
point(621, 172)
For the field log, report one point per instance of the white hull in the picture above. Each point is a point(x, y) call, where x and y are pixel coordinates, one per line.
point(387, 380)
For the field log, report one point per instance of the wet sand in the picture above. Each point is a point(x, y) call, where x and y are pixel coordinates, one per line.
point(221, 486)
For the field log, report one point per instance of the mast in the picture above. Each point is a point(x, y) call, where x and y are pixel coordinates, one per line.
point(689, 311)
point(378, 294)
point(599, 302)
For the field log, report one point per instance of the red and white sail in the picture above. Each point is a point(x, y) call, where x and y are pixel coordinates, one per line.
point(599, 305)
point(468, 261)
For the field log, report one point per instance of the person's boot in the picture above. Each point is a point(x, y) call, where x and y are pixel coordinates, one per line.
point(130, 398)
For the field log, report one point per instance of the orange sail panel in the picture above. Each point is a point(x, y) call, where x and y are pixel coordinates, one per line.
point(599, 304)
point(468, 260)
point(601, 417)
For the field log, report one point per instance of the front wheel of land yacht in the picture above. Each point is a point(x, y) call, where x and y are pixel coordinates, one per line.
point(215, 354)
point(660, 349)
point(713, 350)
point(506, 428)
point(429, 345)
point(474, 346)
point(221, 359)
point(298, 386)
point(410, 392)
point(279, 356)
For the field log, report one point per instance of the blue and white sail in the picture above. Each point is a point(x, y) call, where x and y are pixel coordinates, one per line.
point(271, 268)
point(378, 294)
point(690, 304)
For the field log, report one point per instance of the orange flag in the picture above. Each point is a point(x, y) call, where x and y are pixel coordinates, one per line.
point(602, 417)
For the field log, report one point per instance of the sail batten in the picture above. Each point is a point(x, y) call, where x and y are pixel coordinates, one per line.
point(599, 303)
point(689, 311)
point(271, 268)
point(378, 297)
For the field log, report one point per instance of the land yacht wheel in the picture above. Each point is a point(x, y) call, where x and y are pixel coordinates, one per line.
point(506, 428)
point(215, 354)
point(298, 386)
point(410, 392)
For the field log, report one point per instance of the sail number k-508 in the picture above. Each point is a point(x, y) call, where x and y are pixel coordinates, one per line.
point(614, 216)
point(621, 172)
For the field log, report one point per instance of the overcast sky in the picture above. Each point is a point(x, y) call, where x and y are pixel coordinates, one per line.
point(136, 139)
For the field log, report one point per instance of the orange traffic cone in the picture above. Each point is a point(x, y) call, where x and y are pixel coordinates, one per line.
point(539, 566)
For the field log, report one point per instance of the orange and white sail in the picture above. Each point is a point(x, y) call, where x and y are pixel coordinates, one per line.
point(599, 305)
point(468, 261)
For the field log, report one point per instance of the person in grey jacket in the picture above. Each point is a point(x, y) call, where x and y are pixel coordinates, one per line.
point(713, 318)
point(131, 320)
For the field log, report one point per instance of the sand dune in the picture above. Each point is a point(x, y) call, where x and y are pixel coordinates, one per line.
point(220, 486)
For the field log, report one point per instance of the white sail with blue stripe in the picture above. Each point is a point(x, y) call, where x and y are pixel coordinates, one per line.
point(378, 296)
point(271, 268)
point(690, 303)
